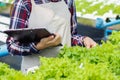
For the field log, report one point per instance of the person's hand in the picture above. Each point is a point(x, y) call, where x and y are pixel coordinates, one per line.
point(52, 40)
point(89, 43)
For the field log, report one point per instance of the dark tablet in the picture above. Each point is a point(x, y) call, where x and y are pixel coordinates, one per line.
point(27, 35)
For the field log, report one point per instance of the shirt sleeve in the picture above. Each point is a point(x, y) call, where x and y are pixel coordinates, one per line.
point(76, 38)
point(19, 19)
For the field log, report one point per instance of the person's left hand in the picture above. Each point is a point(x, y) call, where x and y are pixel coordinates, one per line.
point(89, 43)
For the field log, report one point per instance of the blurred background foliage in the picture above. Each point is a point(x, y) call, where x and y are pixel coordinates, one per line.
point(95, 7)
point(98, 7)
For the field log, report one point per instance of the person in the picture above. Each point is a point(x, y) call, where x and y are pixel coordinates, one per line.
point(58, 16)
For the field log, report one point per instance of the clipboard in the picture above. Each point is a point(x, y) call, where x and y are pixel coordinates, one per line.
point(27, 35)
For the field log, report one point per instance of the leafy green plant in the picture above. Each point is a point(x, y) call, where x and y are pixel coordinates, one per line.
point(117, 9)
point(7, 73)
point(80, 5)
point(105, 9)
point(67, 69)
point(107, 53)
point(91, 9)
point(75, 63)
point(114, 38)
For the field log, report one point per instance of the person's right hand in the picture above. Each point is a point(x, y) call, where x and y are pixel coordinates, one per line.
point(49, 42)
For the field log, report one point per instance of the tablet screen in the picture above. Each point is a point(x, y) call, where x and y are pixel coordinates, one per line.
point(27, 35)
